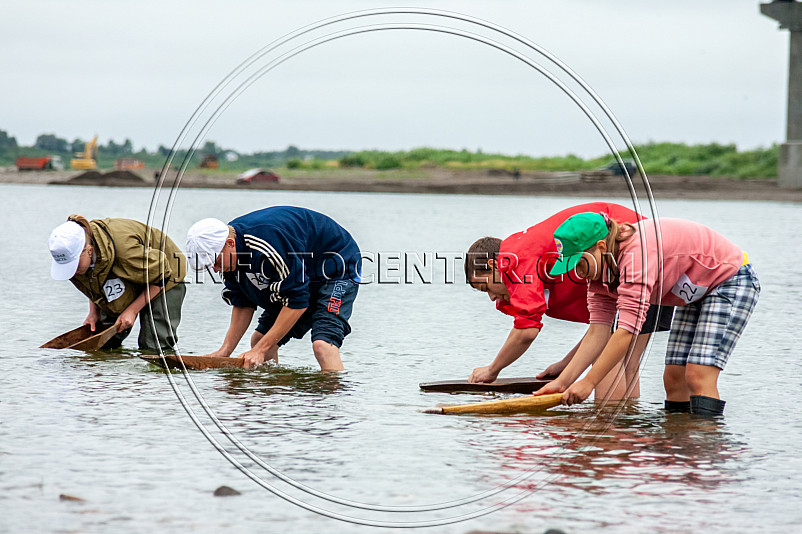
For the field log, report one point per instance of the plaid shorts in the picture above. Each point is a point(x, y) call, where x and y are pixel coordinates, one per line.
point(705, 332)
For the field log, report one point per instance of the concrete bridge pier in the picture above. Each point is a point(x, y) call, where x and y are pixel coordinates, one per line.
point(789, 14)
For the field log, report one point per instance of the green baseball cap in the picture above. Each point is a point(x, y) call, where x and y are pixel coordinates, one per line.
point(577, 234)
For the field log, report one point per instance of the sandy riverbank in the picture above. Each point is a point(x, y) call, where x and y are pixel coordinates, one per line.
point(438, 180)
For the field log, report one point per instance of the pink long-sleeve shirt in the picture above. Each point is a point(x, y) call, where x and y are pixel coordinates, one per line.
point(695, 260)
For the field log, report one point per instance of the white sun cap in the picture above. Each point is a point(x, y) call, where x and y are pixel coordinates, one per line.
point(66, 245)
point(205, 240)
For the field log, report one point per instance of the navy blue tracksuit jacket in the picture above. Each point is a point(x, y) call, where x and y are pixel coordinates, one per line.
point(284, 254)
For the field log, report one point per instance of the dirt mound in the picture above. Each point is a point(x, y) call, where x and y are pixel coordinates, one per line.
point(111, 178)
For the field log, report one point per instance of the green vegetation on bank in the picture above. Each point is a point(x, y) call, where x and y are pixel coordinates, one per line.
point(229, 160)
point(657, 158)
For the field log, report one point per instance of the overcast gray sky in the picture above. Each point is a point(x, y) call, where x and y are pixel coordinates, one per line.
point(679, 70)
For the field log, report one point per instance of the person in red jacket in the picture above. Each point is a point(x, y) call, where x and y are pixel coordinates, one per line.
point(514, 273)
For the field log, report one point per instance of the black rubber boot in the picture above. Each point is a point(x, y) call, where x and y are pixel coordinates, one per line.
point(116, 340)
point(678, 406)
point(707, 406)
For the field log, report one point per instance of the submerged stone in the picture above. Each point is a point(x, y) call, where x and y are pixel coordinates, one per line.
point(225, 491)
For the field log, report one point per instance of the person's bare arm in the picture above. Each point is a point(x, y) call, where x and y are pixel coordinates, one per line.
point(287, 317)
point(516, 344)
point(613, 352)
point(554, 370)
point(240, 321)
point(128, 317)
point(589, 349)
point(93, 317)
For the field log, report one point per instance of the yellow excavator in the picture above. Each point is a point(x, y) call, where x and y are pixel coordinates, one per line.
point(86, 160)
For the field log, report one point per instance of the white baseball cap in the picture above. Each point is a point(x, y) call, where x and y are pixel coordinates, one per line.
point(205, 240)
point(66, 245)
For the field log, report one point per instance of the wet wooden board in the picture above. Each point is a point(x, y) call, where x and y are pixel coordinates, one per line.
point(96, 341)
point(502, 385)
point(194, 362)
point(81, 338)
point(69, 338)
point(529, 403)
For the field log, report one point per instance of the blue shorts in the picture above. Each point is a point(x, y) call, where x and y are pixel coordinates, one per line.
point(330, 307)
point(705, 332)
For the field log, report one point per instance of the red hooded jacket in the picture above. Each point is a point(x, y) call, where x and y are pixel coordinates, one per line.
point(525, 259)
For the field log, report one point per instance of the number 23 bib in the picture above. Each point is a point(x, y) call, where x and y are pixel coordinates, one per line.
point(113, 289)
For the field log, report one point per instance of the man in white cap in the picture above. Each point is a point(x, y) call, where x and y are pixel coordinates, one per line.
point(67, 246)
point(121, 265)
point(298, 265)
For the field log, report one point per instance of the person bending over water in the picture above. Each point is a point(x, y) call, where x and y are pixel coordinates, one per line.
point(514, 273)
point(709, 278)
point(298, 265)
point(119, 265)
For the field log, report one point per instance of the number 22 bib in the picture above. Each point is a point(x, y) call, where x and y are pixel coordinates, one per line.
point(687, 290)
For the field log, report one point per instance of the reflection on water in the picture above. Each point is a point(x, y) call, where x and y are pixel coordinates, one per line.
point(288, 401)
point(642, 447)
point(651, 448)
point(278, 380)
point(271, 401)
point(108, 355)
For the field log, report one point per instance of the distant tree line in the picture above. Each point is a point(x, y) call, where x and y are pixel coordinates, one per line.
point(229, 159)
point(7, 144)
point(52, 143)
point(658, 158)
point(676, 159)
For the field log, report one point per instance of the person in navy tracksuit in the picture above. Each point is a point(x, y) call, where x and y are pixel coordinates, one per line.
point(298, 265)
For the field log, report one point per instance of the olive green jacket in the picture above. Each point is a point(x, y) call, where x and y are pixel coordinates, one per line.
point(119, 274)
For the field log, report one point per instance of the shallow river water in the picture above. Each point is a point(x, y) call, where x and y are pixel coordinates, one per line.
point(145, 453)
